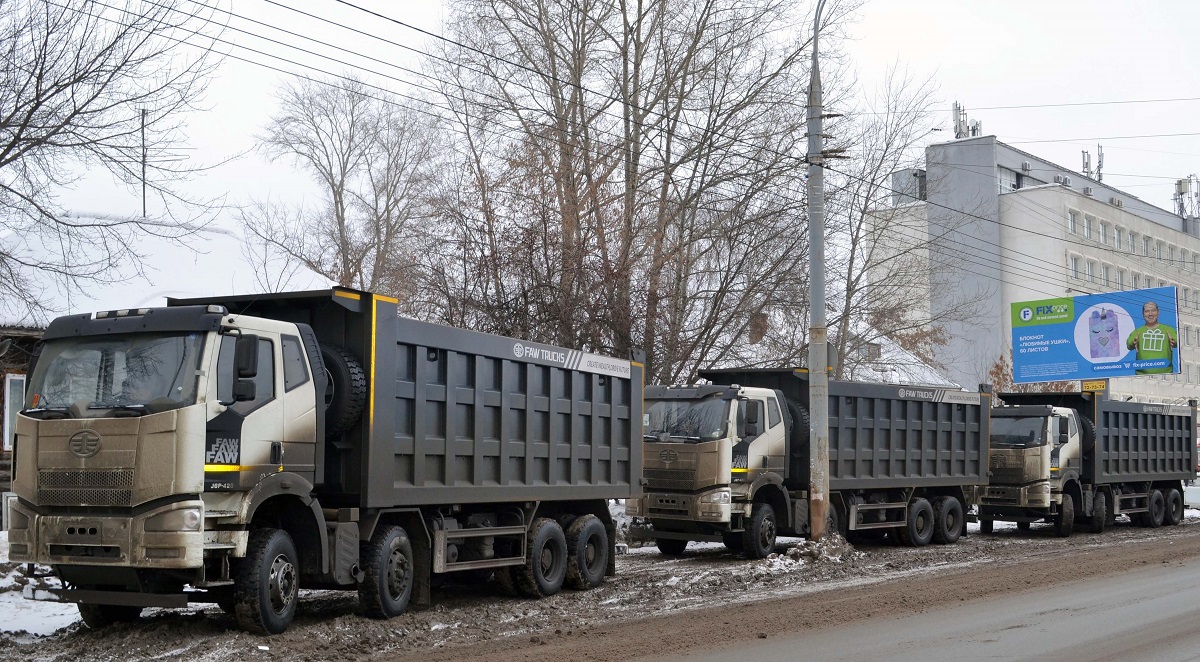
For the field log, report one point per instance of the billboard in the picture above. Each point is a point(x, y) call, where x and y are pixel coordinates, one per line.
point(1118, 334)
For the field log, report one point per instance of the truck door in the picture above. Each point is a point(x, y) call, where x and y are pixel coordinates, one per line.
point(299, 409)
point(245, 442)
point(760, 428)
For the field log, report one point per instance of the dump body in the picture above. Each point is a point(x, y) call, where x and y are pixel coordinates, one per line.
point(324, 435)
point(900, 457)
point(1081, 457)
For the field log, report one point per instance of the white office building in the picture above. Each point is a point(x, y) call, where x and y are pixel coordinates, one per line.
point(1002, 226)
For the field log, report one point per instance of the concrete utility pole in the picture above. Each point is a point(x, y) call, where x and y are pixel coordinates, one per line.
point(818, 338)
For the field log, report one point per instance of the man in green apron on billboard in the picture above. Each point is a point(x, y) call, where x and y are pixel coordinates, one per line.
point(1153, 341)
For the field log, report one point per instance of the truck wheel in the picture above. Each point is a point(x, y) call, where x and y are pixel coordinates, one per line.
point(97, 617)
point(266, 583)
point(346, 394)
point(758, 540)
point(732, 541)
point(947, 520)
point(670, 546)
point(1099, 513)
point(986, 525)
point(1174, 512)
point(1158, 510)
point(387, 563)
point(545, 566)
point(587, 552)
point(1066, 517)
point(918, 530)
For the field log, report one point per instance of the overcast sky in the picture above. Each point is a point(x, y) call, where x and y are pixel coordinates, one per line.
point(982, 54)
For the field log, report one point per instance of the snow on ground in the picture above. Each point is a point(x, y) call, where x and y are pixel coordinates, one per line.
point(31, 619)
point(27, 616)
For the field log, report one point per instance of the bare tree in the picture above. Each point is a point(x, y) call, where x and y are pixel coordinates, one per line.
point(879, 258)
point(86, 86)
point(373, 159)
point(637, 181)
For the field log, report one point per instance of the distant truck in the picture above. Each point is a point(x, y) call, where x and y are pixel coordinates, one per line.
point(235, 450)
point(729, 462)
point(1081, 459)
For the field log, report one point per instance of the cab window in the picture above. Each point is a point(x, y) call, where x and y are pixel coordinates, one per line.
point(295, 372)
point(264, 382)
point(773, 415)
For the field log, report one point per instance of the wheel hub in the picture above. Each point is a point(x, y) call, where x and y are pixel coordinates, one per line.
point(282, 583)
point(397, 574)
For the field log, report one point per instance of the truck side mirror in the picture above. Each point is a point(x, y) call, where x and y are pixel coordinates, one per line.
point(752, 415)
point(244, 390)
point(246, 357)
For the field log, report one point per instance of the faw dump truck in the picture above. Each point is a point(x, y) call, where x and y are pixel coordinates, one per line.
point(1082, 459)
point(234, 450)
point(729, 461)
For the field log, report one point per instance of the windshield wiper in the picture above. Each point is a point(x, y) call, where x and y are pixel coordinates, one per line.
point(138, 410)
point(47, 412)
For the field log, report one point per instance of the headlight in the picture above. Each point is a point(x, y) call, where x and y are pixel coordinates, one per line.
point(184, 519)
point(716, 497)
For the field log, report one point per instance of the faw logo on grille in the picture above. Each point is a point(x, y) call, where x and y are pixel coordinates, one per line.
point(668, 456)
point(85, 443)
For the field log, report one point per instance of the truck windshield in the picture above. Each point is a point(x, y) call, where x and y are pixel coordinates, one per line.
point(1018, 432)
point(140, 373)
point(687, 420)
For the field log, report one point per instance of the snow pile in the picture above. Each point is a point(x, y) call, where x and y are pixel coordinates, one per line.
point(26, 618)
point(830, 549)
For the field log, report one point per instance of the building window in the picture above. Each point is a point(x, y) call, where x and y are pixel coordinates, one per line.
point(1186, 293)
point(1171, 255)
point(1008, 180)
point(1120, 279)
point(1074, 267)
point(1119, 238)
point(1146, 246)
point(1087, 226)
point(1159, 251)
point(1107, 275)
point(1091, 271)
point(1137, 281)
point(1104, 233)
point(1183, 258)
point(1073, 221)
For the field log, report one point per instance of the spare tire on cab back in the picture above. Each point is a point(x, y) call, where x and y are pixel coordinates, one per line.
point(346, 394)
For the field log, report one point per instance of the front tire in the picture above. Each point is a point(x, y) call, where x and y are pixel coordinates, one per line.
point(545, 567)
point(97, 617)
point(587, 552)
point(670, 546)
point(388, 565)
point(1066, 517)
point(1099, 517)
point(267, 583)
point(758, 540)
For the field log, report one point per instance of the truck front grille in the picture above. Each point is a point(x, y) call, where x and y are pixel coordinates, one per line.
point(1014, 476)
point(103, 487)
point(670, 479)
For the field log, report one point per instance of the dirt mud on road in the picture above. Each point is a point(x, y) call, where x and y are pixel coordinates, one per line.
point(656, 606)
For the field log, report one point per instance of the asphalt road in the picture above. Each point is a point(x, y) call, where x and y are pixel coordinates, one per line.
point(1145, 614)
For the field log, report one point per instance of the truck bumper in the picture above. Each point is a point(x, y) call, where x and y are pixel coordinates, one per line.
point(1036, 495)
point(168, 537)
point(685, 507)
